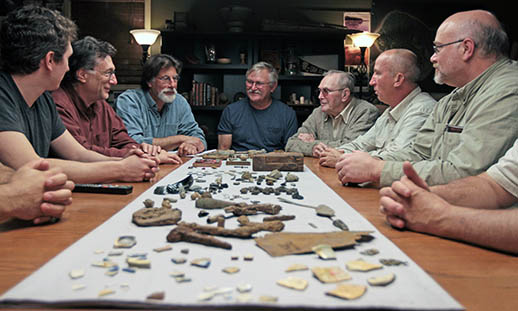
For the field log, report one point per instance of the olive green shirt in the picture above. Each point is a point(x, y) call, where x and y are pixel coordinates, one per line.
point(356, 118)
point(396, 127)
point(468, 131)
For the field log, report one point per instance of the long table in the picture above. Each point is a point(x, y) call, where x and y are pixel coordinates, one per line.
point(478, 278)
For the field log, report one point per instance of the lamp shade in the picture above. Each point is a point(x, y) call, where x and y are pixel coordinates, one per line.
point(145, 36)
point(364, 39)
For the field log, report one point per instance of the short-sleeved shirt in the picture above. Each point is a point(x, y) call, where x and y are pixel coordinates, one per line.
point(96, 127)
point(40, 123)
point(254, 129)
point(505, 171)
point(139, 112)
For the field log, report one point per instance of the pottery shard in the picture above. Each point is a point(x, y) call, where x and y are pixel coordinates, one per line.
point(157, 216)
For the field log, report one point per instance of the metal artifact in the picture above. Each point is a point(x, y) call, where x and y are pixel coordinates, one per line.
point(241, 232)
point(252, 209)
point(362, 265)
point(348, 291)
point(207, 163)
point(279, 217)
point(382, 280)
point(322, 209)
point(392, 262)
point(219, 154)
point(146, 217)
point(330, 274)
point(209, 203)
point(187, 234)
point(293, 283)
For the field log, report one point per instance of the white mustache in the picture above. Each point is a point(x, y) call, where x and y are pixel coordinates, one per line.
point(169, 90)
point(254, 92)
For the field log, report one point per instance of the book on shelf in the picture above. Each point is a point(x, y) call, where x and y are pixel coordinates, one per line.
point(203, 94)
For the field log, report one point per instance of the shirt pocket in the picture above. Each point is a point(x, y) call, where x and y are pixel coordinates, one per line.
point(274, 136)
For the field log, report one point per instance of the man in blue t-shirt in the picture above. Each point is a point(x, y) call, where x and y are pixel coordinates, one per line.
point(258, 122)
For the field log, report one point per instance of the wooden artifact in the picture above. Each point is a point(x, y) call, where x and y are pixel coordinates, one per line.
point(282, 161)
point(207, 163)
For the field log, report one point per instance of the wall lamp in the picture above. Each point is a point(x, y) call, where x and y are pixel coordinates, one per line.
point(145, 38)
point(363, 40)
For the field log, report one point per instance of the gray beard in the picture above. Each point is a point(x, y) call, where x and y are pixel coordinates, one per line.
point(166, 98)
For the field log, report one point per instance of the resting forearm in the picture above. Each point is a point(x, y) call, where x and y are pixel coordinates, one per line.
point(169, 142)
point(94, 172)
point(5, 174)
point(496, 229)
point(479, 191)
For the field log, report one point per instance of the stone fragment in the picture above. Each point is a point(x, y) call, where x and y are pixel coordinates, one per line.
point(206, 296)
point(179, 260)
point(330, 274)
point(76, 274)
point(361, 265)
point(244, 288)
point(201, 262)
point(392, 262)
point(293, 283)
point(182, 279)
point(382, 280)
point(138, 262)
point(106, 292)
point(296, 267)
point(370, 252)
point(248, 257)
point(348, 291)
point(195, 196)
point(184, 251)
point(78, 286)
point(156, 296)
point(244, 297)
point(148, 203)
point(166, 203)
point(324, 251)
point(163, 248)
point(128, 269)
point(231, 270)
point(266, 298)
point(177, 274)
point(291, 177)
point(112, 271)
point(115, 253)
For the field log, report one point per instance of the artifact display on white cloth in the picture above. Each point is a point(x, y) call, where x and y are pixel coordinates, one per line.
point(227, 236)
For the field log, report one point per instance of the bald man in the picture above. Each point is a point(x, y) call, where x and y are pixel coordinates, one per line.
point(473, 126)
point(394, 80)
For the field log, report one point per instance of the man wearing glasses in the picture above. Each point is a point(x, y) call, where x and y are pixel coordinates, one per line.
point(473, 126)
point(259, 121)
point(394, 80)
point(156, 114)
point(81, 103)
point(340, 118)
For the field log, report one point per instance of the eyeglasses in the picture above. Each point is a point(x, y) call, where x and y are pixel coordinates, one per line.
point(325, 91)
point(107, 74)
point(437, 47)
point(257, 83)
point(169, 79)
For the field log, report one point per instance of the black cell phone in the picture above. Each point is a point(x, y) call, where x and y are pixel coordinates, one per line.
point(103, 188)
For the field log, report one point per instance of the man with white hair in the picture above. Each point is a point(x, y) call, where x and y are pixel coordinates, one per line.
point(156, 114)
point(340, 118)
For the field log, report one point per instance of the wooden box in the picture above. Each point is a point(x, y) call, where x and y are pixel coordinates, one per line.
point(282, 161)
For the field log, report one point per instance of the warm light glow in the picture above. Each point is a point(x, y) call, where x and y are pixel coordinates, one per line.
point(145, 36)
point(364, 39)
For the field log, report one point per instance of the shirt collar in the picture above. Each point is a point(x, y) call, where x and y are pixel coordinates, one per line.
point(398, 111)
point(344, 114)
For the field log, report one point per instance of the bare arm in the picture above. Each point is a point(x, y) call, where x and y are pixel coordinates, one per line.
point(479, 191)
point(5, 173)
point(17, 151)
point(408, 203)
point(224, 141)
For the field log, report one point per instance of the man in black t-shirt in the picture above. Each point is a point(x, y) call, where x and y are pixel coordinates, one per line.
point(35, 44)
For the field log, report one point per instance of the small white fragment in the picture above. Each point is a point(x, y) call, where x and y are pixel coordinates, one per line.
point(76, 273)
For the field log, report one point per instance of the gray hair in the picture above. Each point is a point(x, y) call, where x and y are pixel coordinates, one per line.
point(346, 79)
point(491, 40)
point(273, 75)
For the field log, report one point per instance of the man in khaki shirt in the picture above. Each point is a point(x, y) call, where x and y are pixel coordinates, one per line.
point(469, 129)
point(340, 118)
point(394, 80)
